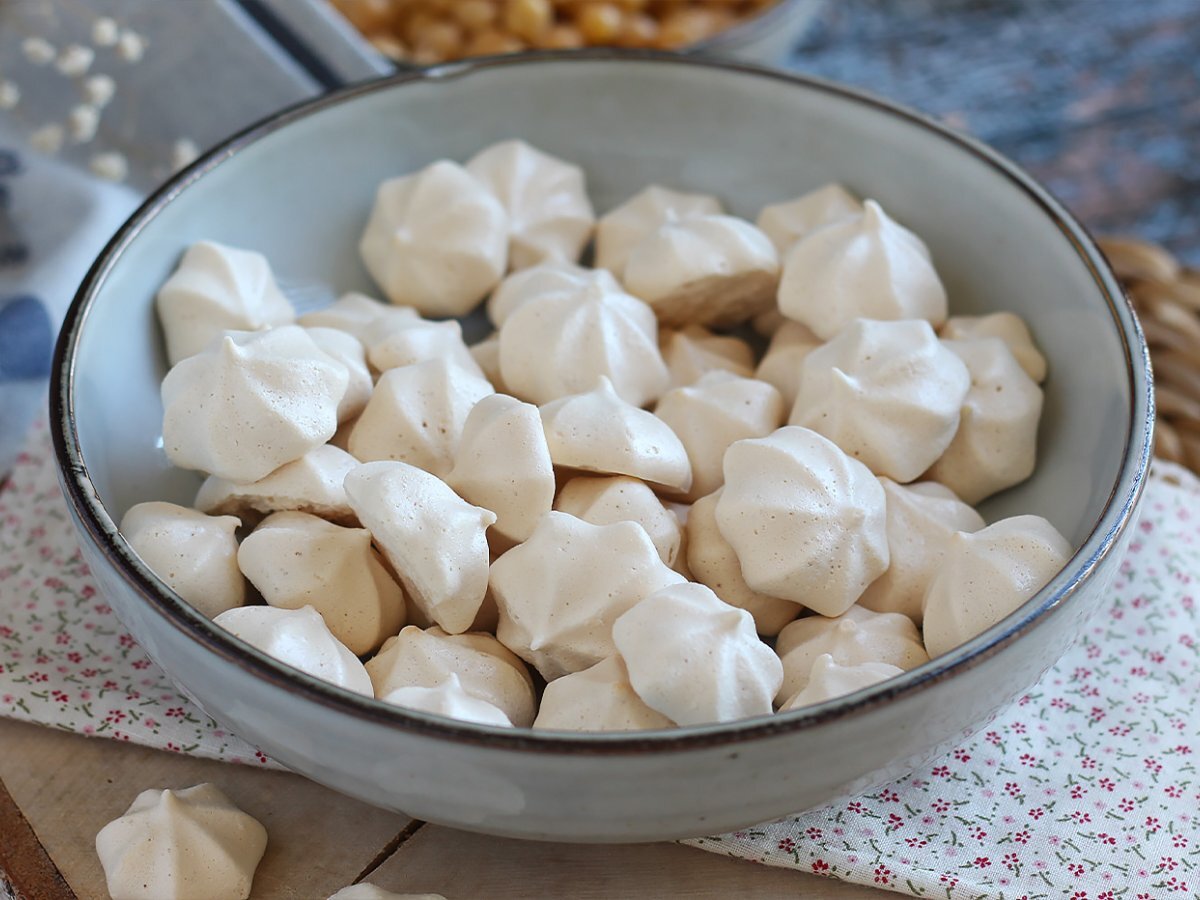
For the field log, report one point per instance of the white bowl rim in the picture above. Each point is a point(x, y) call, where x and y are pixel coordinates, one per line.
point(1104, 537)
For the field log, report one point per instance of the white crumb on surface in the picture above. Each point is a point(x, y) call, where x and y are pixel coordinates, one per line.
point(131, 46)
point(111, 166)
point(82, 123)
point(75, 60)
point(105, 32)
point(183, 153)
point(10, 94)
point(47, 139)
point(98, 90)
point(38, 51)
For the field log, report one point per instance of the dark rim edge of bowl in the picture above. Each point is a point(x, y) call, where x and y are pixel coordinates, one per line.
point(90, 513)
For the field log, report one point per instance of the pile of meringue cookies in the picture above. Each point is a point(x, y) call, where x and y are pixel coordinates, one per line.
point(611, 513)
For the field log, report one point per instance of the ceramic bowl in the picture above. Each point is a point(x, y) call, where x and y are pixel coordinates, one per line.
point(298, 188)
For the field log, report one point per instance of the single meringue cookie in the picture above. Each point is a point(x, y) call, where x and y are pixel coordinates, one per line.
point(714, 412)
point(921, 519)
point(787, 222)
point(502, 463)
point(862, 267)
point(549, 213)
point(367, 891)
point(857, 636)
point(250, 403)
point(712, 562)
point(783, 362)
point(447, 698)
point(359, 315)
point(190, 844)
point(404, 343)
point(195, 554)
point(560, 591)
point(603, 501)
point(486, 354)
point(693, 351)
point(296, 560)
point(552, 278)
point(437, 240)
point(1007, 326)
point(301, 639)
point(599, 698)
point(416, 415)
point(433, 538)
point(995, 446)
point(621, 229)
point(708, 270)
point(217, 289)
point(599, 432)
point(827, 679)
point(311, 484)
point(695, 658)
point(888, 393)
point(486, 669)
point(988, 575)
point(556, 344)
point(806, 520)
point(348, 350)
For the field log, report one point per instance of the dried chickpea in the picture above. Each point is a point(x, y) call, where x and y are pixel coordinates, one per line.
point(683, 27)
point(528, 18)
point(368, 15)
point(638, 30)
point(490, 43)
point(560, 37)
point(476, 15)
point(441, 38)
point(600, 23)
point(389, 45)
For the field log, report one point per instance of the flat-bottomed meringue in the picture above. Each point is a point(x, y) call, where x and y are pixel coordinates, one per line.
point(787, 222)
point(605, 500)
point(599, 698)
point(693, 351)
point(447, 698)
point(624, 227)
point(1007, 326)
point(783, 362)
point(828, 679)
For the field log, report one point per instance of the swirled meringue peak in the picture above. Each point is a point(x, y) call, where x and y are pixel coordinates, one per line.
point(806, 521)
point(560, 591)
point(486, 669)
point(404, 343)
point(695, 658)
point(251, 402)
point(448, 698)
point(921, 519)
point(888, 393)
point(301, 639)
point(708, 270)
point(433, 538)
point(988, 575)
point(599, 698)
point(622, 228)
point(359, 315)
point(862, 267)
point(783, 363)
point(348, 350)
point(195, 554)
point(995, 446)
point(1007, 326)
point(828, 679)
point(605, 500)
point(217, 289)
point(600, 432)
point(554, 278)
point(549, 213)
point(857, 636)
point(785, 223)
point(694, 351)
point(297, 560)
point(437, 240)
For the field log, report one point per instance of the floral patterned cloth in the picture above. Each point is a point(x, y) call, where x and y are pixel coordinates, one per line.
point(1087, 789)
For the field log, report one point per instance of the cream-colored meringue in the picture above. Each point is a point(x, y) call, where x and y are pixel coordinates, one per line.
point(359, 315)
point(603, 501)
point(437, 240)
point(195, 554)
point(857, 636)
point(827, 679)
point(486, 669)
point(714, 412)
point(621, 229)
point(693, 351)
point(806, 520)
point(557, 344)
point(712, 562)
point(560, 591)
point(502, 463)
point(599, 432)
point(367, 891)
point(988, 575)
point(921, 518)
point(416, 415)
point(783, 362)
point(250, 403)
point(348, 350)
point(549, 213)
point(887, 392)
point(301, 639)
point(406, 343)
point(311, 484)
point(447, 698)
point(295, 560)
point(217, 289)
point(190, 844)
point(486, 354)
point(996, 443)
point(599, 698)
point(787, 222)
point(707, 270)
point(554, 278)
point(695, 658)
point(861, 267)
point(433, 538)
point(1007, 326)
